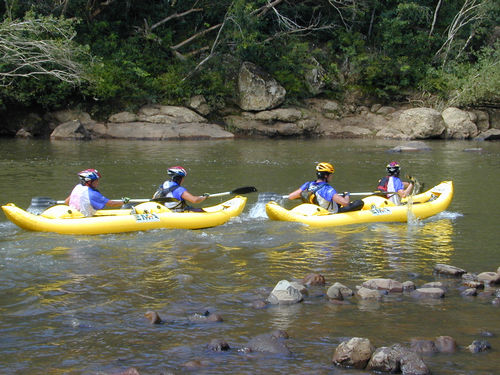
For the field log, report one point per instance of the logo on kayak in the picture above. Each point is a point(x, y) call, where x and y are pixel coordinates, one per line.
point(146, 218)
point(379, 211)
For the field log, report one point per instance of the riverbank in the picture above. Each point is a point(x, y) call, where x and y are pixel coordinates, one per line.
point(313, 118)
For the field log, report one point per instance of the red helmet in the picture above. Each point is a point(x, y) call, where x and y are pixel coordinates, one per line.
point(89, 175)
point(176, 171)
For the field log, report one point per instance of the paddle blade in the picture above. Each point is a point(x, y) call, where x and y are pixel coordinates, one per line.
point(40, 204)
point(244, 190)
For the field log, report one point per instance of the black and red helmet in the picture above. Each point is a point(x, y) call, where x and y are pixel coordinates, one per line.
point(393, 168)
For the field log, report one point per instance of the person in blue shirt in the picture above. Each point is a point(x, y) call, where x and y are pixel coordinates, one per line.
point(321, 193)
point(393, 185)
point(179, 195)
point(86, 198)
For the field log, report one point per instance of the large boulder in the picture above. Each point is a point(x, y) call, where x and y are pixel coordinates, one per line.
point(280, 114)
point(199, 104)
point(272, 124)
point(458, 124)
point(315, 77)
point(482, 120)
point(489, 135)
point(122, 117)
point(73, 130)
point(159, 131)
point(257, 89)
point(167, 114)
point(418, 123)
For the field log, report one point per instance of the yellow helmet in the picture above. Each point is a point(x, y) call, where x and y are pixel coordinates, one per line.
point(325, 167)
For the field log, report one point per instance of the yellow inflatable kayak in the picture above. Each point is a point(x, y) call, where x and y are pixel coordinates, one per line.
point(145, 216)
point(376, 209)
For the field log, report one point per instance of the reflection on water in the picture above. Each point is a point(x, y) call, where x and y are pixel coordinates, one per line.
point(75, 304)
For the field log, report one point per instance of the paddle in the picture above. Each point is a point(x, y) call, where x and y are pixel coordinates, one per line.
point(39, 204)
point(241, 190)
point(266, 197)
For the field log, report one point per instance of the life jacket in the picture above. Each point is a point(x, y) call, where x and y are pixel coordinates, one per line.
point(309, 195)
point(175, 204)
point(382, 184)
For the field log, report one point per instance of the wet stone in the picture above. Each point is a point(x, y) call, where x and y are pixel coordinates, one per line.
point(153, 317)
point(313, 279)
point(218, 345)
point(469, 292)
point(445, 344)
point(478, 346)
point(446, 269)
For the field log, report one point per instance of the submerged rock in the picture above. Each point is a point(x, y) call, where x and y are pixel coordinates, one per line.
point(434, 293)
point(269, 343)
point(479, 346)
point(445, 344)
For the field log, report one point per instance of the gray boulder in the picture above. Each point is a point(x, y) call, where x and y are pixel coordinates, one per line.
point(419, 123)
point(458, 124)
point(284, 293)
point(431, 293)
point(257, 89)
point(446, 269)
point(389, 285)
point(489, 135)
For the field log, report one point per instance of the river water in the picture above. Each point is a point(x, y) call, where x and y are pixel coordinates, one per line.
point(76, 304)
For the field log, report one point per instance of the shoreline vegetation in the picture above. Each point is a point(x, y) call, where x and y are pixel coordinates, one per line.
point(191, 70)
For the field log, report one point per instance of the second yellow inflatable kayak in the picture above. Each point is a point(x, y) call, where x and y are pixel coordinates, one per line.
point(376, 209)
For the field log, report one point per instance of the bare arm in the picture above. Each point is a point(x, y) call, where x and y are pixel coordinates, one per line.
point(111, 203)
point(407, 191)
point(193, 198)
point(295, 194)
point(342, 200)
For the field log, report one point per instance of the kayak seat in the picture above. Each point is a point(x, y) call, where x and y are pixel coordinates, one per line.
point(61, 211)
point(377, 201)
point(150, 208)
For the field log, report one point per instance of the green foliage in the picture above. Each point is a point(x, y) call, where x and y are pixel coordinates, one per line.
point(381, 48)
point(467, 84)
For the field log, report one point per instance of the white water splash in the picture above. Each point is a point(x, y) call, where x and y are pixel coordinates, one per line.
point(258, 211)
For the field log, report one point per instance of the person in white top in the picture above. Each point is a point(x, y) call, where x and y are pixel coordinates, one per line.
point(86, 198)
point(393, 186)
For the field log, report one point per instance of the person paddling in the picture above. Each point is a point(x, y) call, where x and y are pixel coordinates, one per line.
point(86, 198)
point(321, 193)
point(172, 189)
point(393, 185)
